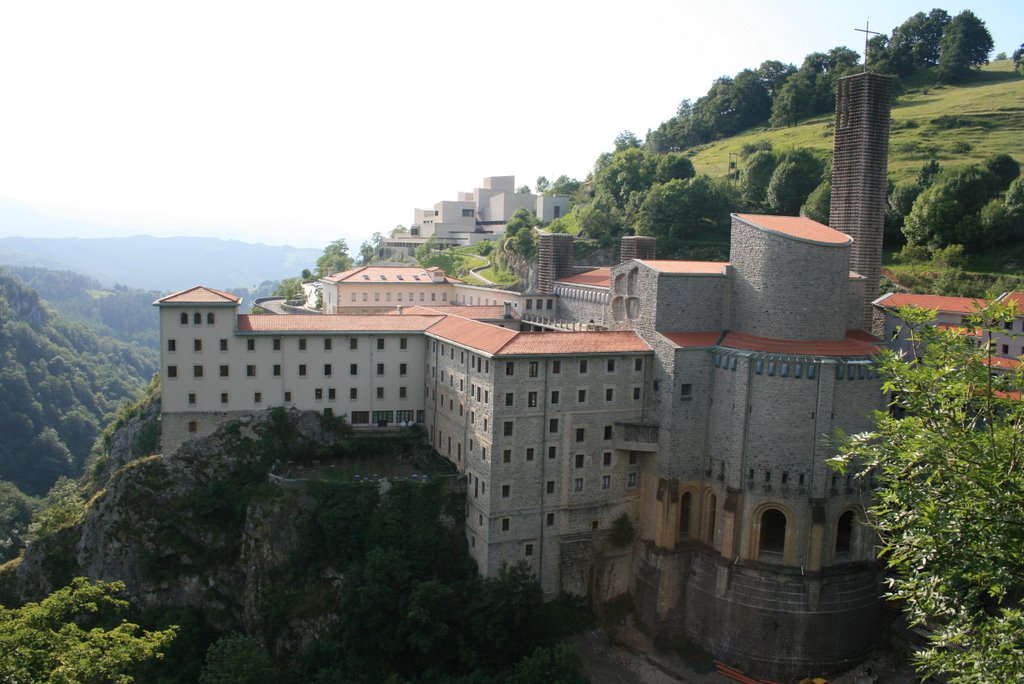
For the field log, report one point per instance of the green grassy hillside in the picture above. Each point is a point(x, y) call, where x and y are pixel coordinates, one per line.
point(956, 124)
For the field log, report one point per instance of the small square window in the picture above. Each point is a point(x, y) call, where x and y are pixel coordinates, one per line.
point(686, 391)
point(197, 371)
point(223, 371)
point(172, 371)
point(192, 398)
point(192, 425)
point(287, 396)
point(250, 371)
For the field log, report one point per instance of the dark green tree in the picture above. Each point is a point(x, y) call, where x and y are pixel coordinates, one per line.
point(755, 177)
point(794, 178)
point(966, 43)
point(682, 211)
point(237, 659)
point(948, 211)
point(334, 259)
point(818, 203)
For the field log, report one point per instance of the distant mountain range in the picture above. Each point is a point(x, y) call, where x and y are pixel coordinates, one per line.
point(162, 264)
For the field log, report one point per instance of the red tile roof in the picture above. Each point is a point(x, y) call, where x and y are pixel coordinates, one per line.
point(854, 344)
point(688, 267)
point(1016, 297)
point(332, 323)
point(199, 295)
point(694, 339)
point(599, 277)
point(799, 227)
point(591, 342)
point(473, 334)
point(474, 311)
point(963, 330)
point(1000, 362)
point(943, 304)
point(388, 274)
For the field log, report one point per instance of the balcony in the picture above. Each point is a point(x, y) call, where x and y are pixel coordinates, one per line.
point(634, 436)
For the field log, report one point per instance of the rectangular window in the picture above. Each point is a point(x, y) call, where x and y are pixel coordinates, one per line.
point(192, 398)
point(328, 345)
point(197, 371)
point(550, 487)
point(581, 396)
point(223, 397)
point(353, 344)
point(250, 371)
point(327, 370)
point(550, 519)
point(686, 391)
point(171, 345)
point(380, 392)
point(577, 484)
point(506, 456)
point(505, 524)
point(631, 480)
point(277, 344)
point(287, 396)
point(380, 369)
point(250, 345)
point(318, 394)
point(302, 369)
point(607, 431)
point(403, 342)
point(529, 304)
point(611, 365)
point(302, 344)
point(638, 364)
point(529, 454)
point(197, 345)
point(277, 369)
point(510, 368)
point(606, 482)
point(583, 366)
point(353, 369)
point(401, 392)
point(507, 429)
point(580, 458)
point(636, 394)
point(172, 371)
point(632, 458)
point(403, 368)
point(331, 394)
point(533, 369)
point(353, 393)
point(380, 344)
point(531, 399)
point(223, 345)
point(606, 458)
point(506, 491)
point(580, 434)
point(223, 371)
point(556, 367)
point(554, 396)
point(553, 425)
point(528, 550)
point(257, 397)
point(552, 452)
point(360, 417)
point(192, 425)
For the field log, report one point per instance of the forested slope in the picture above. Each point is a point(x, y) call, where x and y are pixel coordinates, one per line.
point(59, 384)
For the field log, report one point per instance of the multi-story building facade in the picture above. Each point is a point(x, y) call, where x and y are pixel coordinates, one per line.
point(704, 416)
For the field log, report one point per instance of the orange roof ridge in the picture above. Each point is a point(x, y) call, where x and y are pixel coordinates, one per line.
point(797, 227)
point(580, 342)
point(199, 294)
point(854, 344)
point(926, 301)
point(333, 323)
point(686, 267)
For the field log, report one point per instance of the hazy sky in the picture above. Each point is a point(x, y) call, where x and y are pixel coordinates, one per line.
point(302, 122)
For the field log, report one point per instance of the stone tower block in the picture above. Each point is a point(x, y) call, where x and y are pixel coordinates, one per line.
point(636, 247)
point(555, 260)
point(859, 173)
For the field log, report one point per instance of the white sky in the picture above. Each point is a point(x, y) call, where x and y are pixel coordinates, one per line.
point(300, 122)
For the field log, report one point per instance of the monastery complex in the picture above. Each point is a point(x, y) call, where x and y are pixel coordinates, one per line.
point(698, 399)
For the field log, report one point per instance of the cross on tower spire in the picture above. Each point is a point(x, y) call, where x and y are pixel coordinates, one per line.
point(867, 34)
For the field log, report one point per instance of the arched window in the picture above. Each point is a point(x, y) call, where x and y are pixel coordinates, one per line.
point(844, 535)
point(197, 318)
point(184, 318)
point(209, 318)
point(685, 504)
point(709, 528)
point(772, 543)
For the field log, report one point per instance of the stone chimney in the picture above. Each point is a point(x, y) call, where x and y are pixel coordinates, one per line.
point(636, 247)
point(508, 310)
